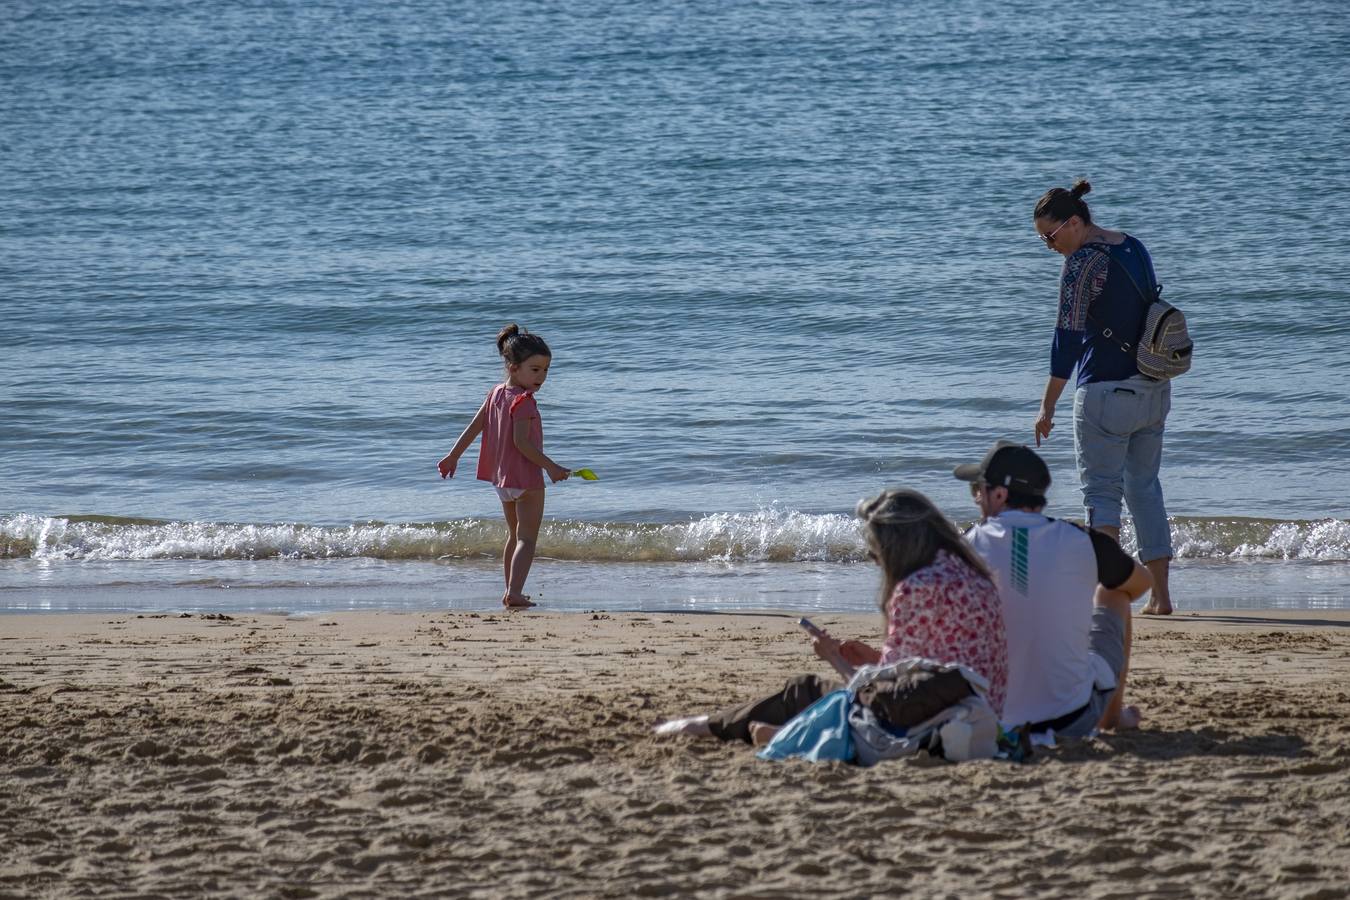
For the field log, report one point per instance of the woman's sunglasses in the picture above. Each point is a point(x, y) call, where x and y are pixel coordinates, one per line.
point(1050, 238)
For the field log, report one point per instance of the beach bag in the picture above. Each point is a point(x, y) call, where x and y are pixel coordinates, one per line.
point(960, 724)
point(938, 708)
point(1164, 348)
point(819, 732)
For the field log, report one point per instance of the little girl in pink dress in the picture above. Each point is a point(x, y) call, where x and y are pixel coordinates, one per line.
point(512, 454)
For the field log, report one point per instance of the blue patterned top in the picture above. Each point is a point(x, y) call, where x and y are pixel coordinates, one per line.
point(1092, 277)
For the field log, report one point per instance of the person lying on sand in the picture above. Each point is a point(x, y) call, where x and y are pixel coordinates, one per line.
point(938, 600)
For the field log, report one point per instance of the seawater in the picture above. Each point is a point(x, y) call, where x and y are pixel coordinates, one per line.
point(253, 257)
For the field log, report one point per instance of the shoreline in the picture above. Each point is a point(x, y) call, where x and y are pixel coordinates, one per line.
point(26, 626)
point(812, 588)
point(511, 754)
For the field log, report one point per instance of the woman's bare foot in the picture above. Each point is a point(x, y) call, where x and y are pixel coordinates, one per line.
point(1160, 596)
point(694, 726)
point(519, 601)
point(761, 733)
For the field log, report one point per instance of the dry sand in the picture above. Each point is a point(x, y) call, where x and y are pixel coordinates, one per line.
point(510, 755)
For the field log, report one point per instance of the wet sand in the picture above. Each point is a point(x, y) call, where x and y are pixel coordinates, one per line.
point(510, 755)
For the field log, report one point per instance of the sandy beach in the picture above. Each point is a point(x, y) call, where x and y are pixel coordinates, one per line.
point(511, 755)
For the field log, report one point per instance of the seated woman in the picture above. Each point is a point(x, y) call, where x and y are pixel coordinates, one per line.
point(938, 600)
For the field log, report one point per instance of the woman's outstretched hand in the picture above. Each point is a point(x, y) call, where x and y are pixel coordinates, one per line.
point(447, 467)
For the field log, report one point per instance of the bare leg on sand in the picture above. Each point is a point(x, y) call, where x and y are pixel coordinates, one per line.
point(523, 517)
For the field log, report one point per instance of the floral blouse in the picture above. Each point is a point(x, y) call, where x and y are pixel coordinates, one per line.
point(950, 613)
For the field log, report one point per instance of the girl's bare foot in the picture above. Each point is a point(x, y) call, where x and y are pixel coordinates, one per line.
point(694, 726)
point(761, 733)
point(1154, 608)
point(519, 601)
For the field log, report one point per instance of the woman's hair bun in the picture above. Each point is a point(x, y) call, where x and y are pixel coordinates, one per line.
point(505, 335)
point(1080, 187)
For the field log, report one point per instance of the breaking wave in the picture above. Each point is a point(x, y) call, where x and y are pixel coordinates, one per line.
point(773, 535)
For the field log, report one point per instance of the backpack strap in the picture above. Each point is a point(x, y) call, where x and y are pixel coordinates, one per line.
point(1157, 288)
point(1108, 333)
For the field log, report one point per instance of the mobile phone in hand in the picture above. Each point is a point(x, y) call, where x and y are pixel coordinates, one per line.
point(833, 657)
point(810, 627)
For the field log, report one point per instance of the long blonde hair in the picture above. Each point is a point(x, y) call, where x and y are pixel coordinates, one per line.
point(904, 531)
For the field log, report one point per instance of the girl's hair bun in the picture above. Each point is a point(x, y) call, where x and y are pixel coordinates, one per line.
point(516, 344)
point(1080, 187)
point(505, 335)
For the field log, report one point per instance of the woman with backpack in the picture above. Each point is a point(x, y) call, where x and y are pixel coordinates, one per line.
point(1107, 289)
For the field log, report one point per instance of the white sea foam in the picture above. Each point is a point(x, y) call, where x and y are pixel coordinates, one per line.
point(769, 535)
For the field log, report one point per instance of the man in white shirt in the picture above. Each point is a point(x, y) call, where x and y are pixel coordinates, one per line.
point(1066, 594)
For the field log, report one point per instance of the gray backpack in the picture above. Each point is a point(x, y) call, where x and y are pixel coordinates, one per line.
point(1163, 349)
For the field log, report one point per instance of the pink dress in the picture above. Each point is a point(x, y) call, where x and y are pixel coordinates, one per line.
point(498, 459)
point(948, 612)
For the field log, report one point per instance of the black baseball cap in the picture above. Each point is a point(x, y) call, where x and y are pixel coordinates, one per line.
point(1014, 466)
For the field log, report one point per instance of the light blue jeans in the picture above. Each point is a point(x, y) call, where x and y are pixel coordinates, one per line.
point(1118, 437)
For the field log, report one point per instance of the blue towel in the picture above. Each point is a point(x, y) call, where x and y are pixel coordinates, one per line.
point(816, 733)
